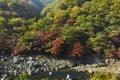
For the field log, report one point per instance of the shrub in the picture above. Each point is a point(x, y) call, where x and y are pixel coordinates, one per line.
point(5, 44)
point(20, 50)
point(40, 43)
point(23, 76)
point(77, 50)
point(118, 53)
point(116, 40)
point(56, 45)
point(104, 76)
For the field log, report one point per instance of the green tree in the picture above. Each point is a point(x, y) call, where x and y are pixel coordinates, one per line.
point(2, 22)
point(16, 22)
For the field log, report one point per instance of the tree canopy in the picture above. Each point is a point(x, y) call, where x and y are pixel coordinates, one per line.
point(88, 24)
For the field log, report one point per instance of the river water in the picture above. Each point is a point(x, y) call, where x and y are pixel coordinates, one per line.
point(62, 75)
point(59, 75)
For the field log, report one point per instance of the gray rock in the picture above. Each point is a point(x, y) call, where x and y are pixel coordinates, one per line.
point(4, 76)
point(68, 77)
point(1, 67)
point(15, 72)
point(37, 70)
point(90, 71)
point(2, 59)
point(50, 73)
point(16, 60)
point(22, 59)
point(30, 72)
point(30, 58)
point(31, 65)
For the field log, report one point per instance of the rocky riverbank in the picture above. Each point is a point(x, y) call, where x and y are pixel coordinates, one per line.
point(31, 64)
point(110, 66)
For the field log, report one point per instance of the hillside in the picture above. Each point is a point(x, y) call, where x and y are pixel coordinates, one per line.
point(15, 17)
point(71, 28)
point(45, 36)
point(77, 27)
point(13, 8)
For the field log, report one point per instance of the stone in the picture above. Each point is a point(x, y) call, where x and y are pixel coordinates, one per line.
point(30, 58)
point(68, 77)
point(37, 70)
point(22, 59)
point(4, 76)
point(1, 67)
point(31, 64)
point(56, 69)
point(106, 61)
point(15, 72)
point(2, 59)
point(16, 60)
point(90, 71)
point(50, 73)
point(28, 62)
point(30, 71)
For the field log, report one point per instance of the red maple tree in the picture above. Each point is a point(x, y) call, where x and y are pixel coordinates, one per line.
point(77, 50)
point(56, 45)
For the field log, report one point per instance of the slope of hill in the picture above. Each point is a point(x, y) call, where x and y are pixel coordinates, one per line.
point(80, 23)
point(74, 26)
point(16, 16)
point(22, 9)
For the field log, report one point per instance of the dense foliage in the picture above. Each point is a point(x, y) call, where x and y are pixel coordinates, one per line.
point(104, 76)
point(66, 27)
point(15, 18)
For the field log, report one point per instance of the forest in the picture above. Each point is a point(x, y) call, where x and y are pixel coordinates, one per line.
point(65, 28)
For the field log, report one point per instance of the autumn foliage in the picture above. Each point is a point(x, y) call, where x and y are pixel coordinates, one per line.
point(5, 44)
point(40, 42)
point(116, 40)
point(77, 50)
point(118, 53)
point(56, 45)
point(65, 28)
point(113, 48)
point(17, 51)
point(116, 44)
